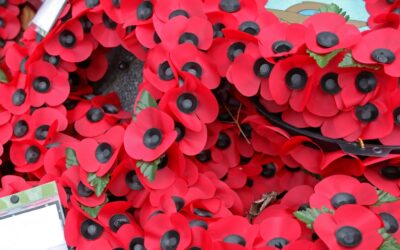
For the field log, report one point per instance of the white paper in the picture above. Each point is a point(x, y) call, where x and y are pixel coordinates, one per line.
point(39, 229)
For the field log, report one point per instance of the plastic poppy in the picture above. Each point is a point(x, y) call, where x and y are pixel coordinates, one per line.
point(351, 226)
point(338, 190)
point(150, 136)
point(327, 32)
point(380, 47)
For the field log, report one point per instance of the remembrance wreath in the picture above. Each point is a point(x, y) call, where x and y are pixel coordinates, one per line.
point(194, 165)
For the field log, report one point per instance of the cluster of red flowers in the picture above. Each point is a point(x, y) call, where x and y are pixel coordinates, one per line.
point(195, 166)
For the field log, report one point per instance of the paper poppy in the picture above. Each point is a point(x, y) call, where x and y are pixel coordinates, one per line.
point(281, 39)
point(292, 80)
point(105, 30)
point(98, 155)
point(379, 47)
point(150, 136)
point(187, 58)
point(9, 23)
point(384, 173)
point(327, 32)
point(193, 104)
point(164, 231)
point(69, 42)
point(285, 230)
point(233, 232)
point(94, 67)
point(338, 190)
point(389, 213)
point(371, 120)
point(83, 233)
point(351, 226)
point(27, 156)
point(393, 137)
point(195, 30)
point(114, 215)
point(249, 71)
point(137, 12)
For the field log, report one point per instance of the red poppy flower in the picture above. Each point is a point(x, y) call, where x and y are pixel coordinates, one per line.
point(226, 49)
point(233, 232)
point(302, 151)
point(291, 81)
point(375, 7)
point(27, 156)
point(281, 39)
point(249, 70)
point(114, 215)
point(384, 173)
point(338, 162)
point(186, 58)
point(84, 233)
point(201, 239)
point(338, 190)
point(137, 12)
point(96, 117)
point(147, 35)
point(193, 104)
point(69, 42)
point(238, 9)
point(195, 30)
point(98, 155)
point(284, 231)
point(393, 137)
point(6, 129)
point(369, 121)
point(125, 182)
point(105, 30)
point(390, 215)
point(11, 184)
point(221, 21)
point(131, 236)
point(380, 47)
point(164, 231)
point(74, 179)
point(54, 159)
point(306, 245)
point(150, 136)
point(9, 23)
point(158, 70)
point(297, 198)
point(290, 177)
point(113, 10)
point(168, 10)
point(94, 67)
point(47, 84)
point(327, 32)
point(351, 226)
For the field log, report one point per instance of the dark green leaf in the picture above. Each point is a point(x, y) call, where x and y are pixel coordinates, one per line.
point(148, 169)
point(335, 9)
point(385, 197)
point(145, 101)
point(323, 60)
point(309, 215)
point(348, 62)
point(92, 211)
point(70, 159)
point(98, 183)
point(389, 242)
point(3, 77)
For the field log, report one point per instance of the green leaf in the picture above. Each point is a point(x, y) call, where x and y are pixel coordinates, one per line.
point(335, 9)
point(70, 159)
point(98, 183)
point(389, 242)
point(348, 62)
point(145, 101)
point(385, 197)
point(148, 169)
point(3, 77)
point(309, 215)
point(93, 211)
point(323, 60)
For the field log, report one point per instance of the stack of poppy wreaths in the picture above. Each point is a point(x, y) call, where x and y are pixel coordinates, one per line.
point(194, 166)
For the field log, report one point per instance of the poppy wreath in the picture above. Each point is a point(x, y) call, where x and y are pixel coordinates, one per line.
point(194, 165)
